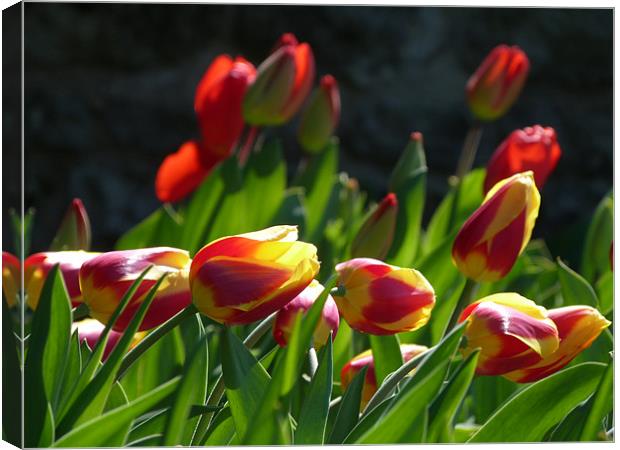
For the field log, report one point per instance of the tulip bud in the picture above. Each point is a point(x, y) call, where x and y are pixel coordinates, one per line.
point(578, 326)
point(366, 359)
point(89, 331)
point(286, 317)
point(37, 266)
point(11, 278)
point(495, 86)
point(533, 148)
point(321, 116)
point(244, 278)
point(490, 241)
point(375, 237)
point(74, 232)
point(182, 172)
point(282, 83)
point(383, 299)
point(511, 331)
point(106, 278)
point(218, 101)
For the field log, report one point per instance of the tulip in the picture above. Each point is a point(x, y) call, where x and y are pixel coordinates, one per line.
point(282, 83)
point(578, 326)
point(365, 359)
point(490, 241)
point(244, 278)
point(11, 278)
point(218, 100)
point(382, 299)
point(89, 331)
point(376, 234)
point(286, 317)
point(496, 84)
point(321, 116)
point(533, 148)
point(74, 232)
point(37, 266)
point(106, 278)
point(511, 331)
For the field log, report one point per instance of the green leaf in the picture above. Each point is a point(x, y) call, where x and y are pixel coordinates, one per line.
point(192, 388)
point(11, 381)
point(47, 349)
point(159, 228)
point(71, 373)
point(292, 209)
point(313, 416)
point(408, 182)
point(245, 378)
point(489, 394)
point(575, 289)
point(222, 429)
point(148, 425)
point(595, 257)
point(367, 421)
point(386, 355)
point(444, 407)
point(116, 398)
point(605, 292)
point(343, 348)
point(547, 402)
point(349, 411)
point(103, 431)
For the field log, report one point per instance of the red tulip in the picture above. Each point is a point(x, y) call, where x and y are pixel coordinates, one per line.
point(495, 86)
point(321, 116)
point(376, 234)
point(11, 278)
point(74, 232)
point(533, 148)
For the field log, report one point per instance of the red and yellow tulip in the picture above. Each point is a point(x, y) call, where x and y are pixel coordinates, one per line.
point(286, 317)
point(496, 84)
point(578, 326)
point(374, 238)
point(365, 359)
point(532, 148)
point(383, 299)
point(321, 116)
point(511, 331)
point(490, 241)
point(244, 278)
point(89, 331)
point(38, 265)
point(106, 278)
point(11, 278)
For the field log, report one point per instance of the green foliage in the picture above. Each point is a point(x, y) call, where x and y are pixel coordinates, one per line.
point(600, 234)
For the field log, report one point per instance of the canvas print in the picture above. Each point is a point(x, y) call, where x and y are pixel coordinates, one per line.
point(307, 225)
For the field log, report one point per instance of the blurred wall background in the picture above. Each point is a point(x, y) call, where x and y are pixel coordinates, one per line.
point(109, 92)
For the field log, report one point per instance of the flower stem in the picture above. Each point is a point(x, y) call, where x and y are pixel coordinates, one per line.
point(467, 295)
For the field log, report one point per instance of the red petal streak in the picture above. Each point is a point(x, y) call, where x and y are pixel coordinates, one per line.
point(394, 299)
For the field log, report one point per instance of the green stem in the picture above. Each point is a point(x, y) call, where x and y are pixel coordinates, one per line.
point(153, 337)
point(219, 388)
point(467, 295)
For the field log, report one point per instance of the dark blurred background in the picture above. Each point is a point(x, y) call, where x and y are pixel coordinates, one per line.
point(109, 92)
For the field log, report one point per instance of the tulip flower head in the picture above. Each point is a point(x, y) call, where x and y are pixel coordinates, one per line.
point(578, 326)
point(365, 359)
point(74, 232)
point(106, 278)
point(321, 116)
point(286, 317)
point(383, 299)
point(38, 265)
point(283, 81)
point(491, 240)
point(496, 84)
point(90, 330)
point(511, 331)
point(11, 278)
point(533, 148)
point(244, 278)
point(376, 234)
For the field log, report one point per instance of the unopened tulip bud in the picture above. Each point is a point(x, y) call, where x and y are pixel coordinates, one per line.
point(106, 278)
point(496, 84)
point(321, 116)
point(365, 359)
point(491, 240)
point(532, 148)
point(11, 278)
point(74, 232)
point(375, 237)
point(282, 83)
point(37, 266)
point(244, 278)
point(286, 317)
point(578, 326)
point(90, 330)
point(511, 332)
point(382, 299)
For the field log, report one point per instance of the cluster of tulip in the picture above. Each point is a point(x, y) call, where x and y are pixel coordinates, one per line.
point(246, 278)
